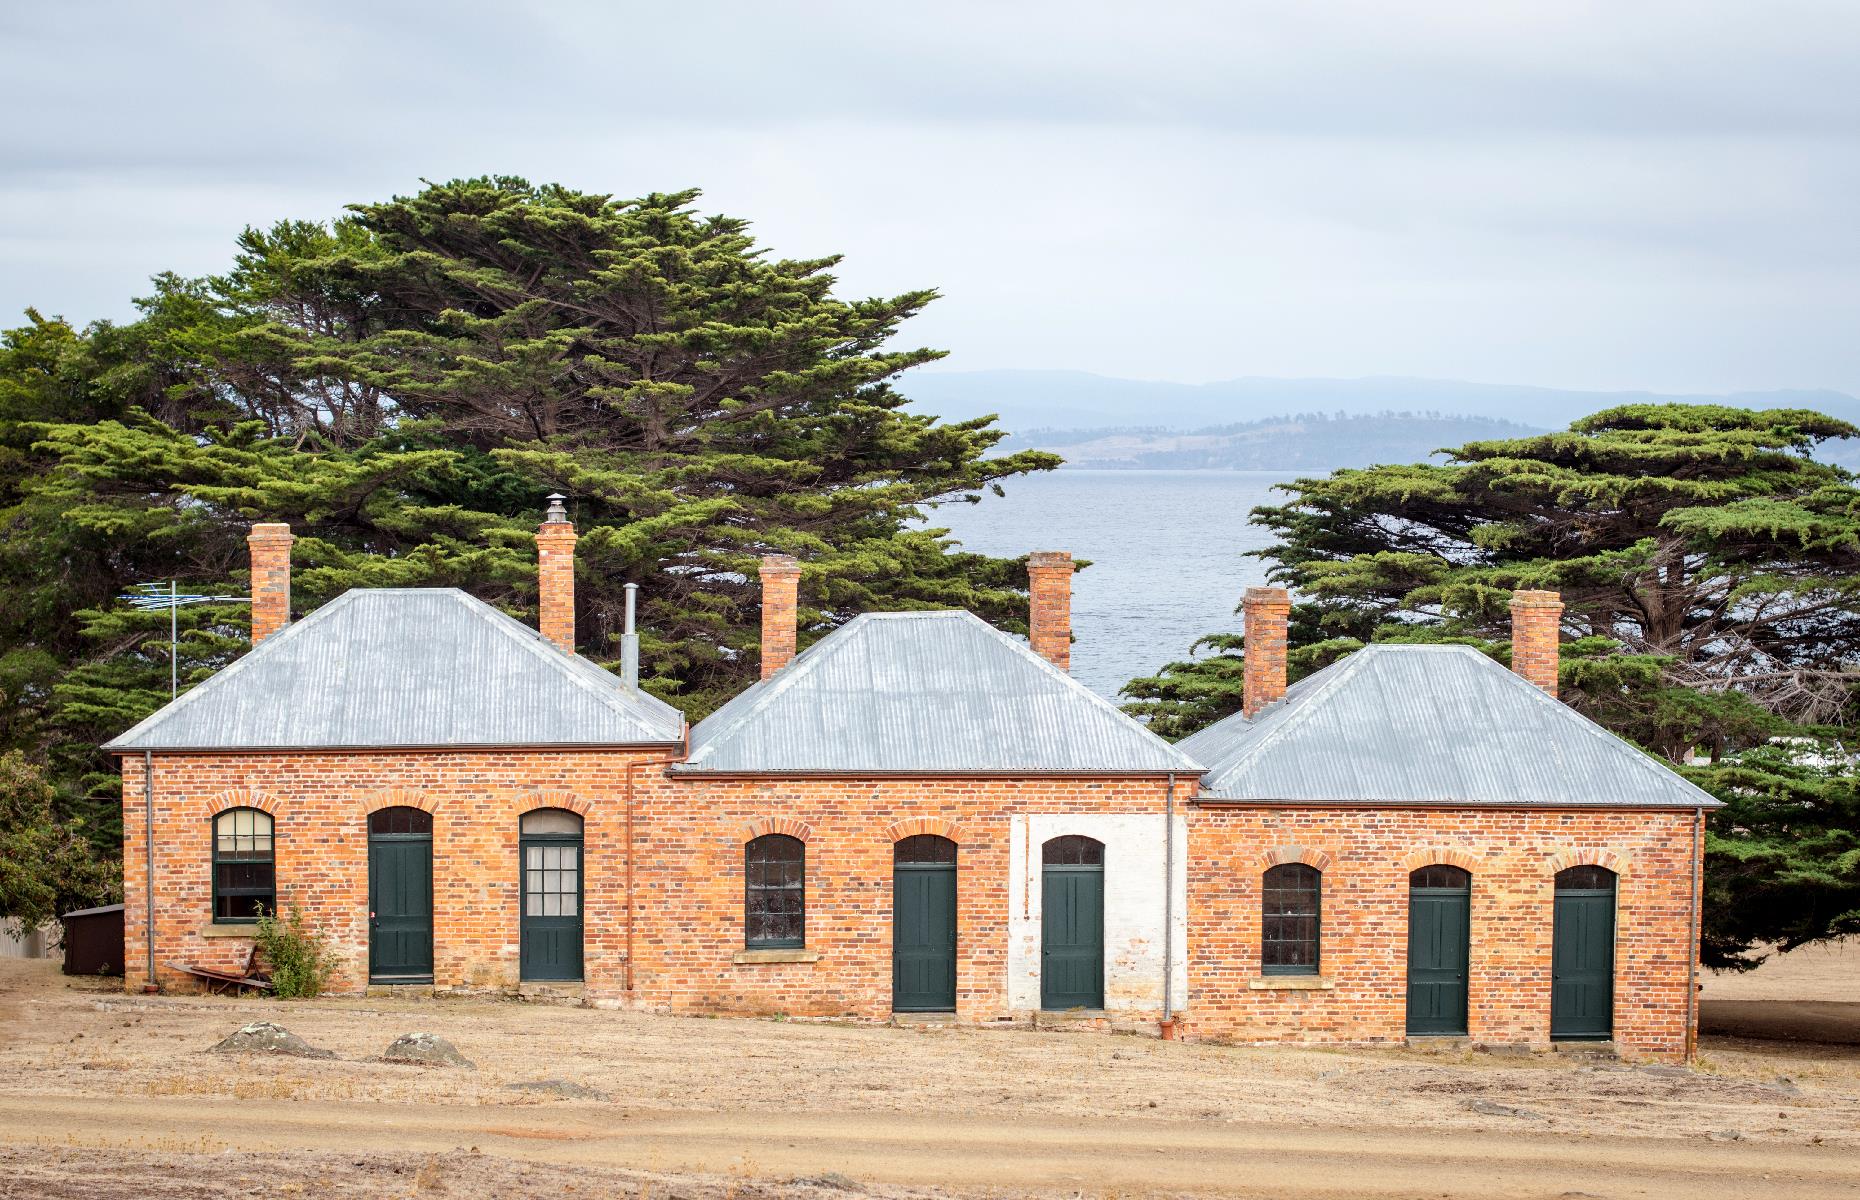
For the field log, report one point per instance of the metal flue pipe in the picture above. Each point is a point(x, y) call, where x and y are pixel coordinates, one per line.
point(629, 640)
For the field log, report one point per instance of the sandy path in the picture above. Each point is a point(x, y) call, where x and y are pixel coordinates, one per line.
point(969, 1153)
point(103, 1094)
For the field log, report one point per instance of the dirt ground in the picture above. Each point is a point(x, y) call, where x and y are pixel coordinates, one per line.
point(103, 1094)
point(1807, 995)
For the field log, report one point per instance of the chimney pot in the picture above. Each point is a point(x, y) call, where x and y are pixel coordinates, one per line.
point(270, 545)
point(555, 576)
point(781, 587)
point(1049, 615)
point(1536, 624)
point(1267, 624)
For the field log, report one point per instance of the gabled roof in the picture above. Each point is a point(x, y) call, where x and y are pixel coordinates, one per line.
point(925, 693)
point(1429, 725)
point(385, 667)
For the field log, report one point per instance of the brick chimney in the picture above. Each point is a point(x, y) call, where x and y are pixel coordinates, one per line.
point(1267, 624)
point(1049, 616)
point(781, 588)
point(1536, 622)
point(271, 579)
point(555, 576)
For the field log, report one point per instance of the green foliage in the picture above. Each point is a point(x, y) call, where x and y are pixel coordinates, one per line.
point(1711, 573)
point(299, 957)
point(46, 867)
point(1716, 563)
point(405, 385)
point(1783, 855)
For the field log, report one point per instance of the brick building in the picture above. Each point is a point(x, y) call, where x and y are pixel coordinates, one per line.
point(918, 815)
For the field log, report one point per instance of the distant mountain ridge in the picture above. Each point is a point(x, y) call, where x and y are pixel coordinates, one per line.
point(1307, 441)
point(1080, 400)
point(1127, 422)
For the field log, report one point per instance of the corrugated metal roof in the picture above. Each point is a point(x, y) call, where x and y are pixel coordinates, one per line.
point(381, 667)
point(1429, 725)
point(925, 693)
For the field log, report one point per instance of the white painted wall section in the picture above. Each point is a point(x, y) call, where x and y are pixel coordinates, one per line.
point(1133, 907)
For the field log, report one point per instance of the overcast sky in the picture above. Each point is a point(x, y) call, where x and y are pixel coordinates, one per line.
point(1658, 195)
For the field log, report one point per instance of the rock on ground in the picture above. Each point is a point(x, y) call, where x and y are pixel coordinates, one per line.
point(264, 1037)
point(427, 1049)
point(565, 1089)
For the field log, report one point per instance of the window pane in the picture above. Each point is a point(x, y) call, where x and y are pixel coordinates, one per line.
point(1073, 850)
point(570, 904)
point(533, 904)
point(924, 848)
point(1587, 878)
point(773, 891)
point(551, 821)
point(1289, 923)
point(1441, 875)
point(552, 905)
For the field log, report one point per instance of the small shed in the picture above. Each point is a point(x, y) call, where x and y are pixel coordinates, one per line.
point(94, 941)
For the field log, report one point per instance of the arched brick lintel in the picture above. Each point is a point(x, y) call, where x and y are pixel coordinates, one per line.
point(897, 831)
point(532, 801)
point(762, 826)
point(397, 798)
point(1451, 856)
point(240, 797)
point(1588, 856)
point(1310, 856)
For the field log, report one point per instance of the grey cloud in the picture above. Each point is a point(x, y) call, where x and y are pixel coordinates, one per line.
point(1654, 194)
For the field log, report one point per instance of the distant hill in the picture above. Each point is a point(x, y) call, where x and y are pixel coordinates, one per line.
point(1240, 423)
point(1315, 441)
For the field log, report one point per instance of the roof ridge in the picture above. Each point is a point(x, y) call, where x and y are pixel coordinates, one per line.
point(211, 683)
point(1345, 667)
point(798, 667)
point(1642, 758)
point(1046, 664)
point(557, 660)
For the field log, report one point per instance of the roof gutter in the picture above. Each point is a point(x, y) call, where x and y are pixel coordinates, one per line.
point(690, 772)
point(1205, 801)
point(114, 748)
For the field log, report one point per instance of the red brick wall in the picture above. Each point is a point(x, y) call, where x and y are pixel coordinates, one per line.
point(271, 579)
point(1366, 856)
point(320, 803)
point(781, 586)
point(1267, 617)
point(555, 583)
point(689, 886)
point(1049, 612)
point(1536, 623)
point(691, 877)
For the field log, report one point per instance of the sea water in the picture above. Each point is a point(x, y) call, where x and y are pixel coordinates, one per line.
point(1169, 555)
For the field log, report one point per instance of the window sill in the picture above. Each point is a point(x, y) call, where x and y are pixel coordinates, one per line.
point(797, 955)
point(229, 930)
point(1291, 983)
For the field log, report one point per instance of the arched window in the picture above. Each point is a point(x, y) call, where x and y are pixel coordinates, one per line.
point(400, 820)
point(1072, 850)
point(774, 892)
point(1440, 876)
point(1585, 879)
point(1289, 920)
point(245, 877)
point(924, 849)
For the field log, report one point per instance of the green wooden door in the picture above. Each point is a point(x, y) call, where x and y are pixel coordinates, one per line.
point(551, 898)
point(1072, 924)
point(923, 938)
point(400, 896)
point(1439, 949)
point(1582, 957)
